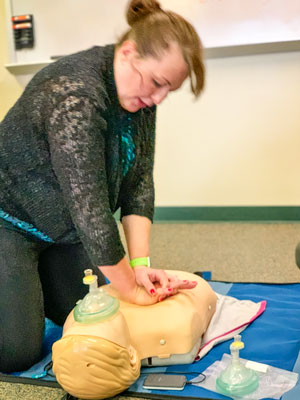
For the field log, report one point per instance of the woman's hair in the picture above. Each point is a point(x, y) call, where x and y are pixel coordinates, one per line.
point(153, 29)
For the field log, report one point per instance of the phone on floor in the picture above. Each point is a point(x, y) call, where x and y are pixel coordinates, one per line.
point(164, 382)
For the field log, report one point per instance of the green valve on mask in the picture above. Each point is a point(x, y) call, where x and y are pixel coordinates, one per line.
point(97, 305)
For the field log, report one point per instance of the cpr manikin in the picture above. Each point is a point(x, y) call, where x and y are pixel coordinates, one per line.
point(105, 340)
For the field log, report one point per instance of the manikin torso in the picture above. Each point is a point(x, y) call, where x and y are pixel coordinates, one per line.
point(172, 326)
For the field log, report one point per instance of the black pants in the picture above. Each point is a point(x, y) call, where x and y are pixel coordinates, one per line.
point(36, 280)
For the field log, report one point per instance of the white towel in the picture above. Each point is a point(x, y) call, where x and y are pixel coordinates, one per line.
point(232, 316)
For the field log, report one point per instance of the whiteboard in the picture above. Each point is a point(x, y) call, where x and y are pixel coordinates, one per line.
point(66, 26)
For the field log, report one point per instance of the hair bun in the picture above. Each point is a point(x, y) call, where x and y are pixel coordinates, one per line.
point(138, 9)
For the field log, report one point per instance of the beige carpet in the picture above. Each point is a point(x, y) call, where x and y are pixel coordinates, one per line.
point(245, 252)
point(232, 251)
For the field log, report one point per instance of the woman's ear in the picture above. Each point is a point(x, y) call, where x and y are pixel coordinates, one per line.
point(128, 50)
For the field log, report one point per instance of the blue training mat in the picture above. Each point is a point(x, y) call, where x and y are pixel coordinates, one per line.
point(273, 338)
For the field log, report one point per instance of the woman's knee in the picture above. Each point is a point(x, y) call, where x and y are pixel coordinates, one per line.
point(61, 270)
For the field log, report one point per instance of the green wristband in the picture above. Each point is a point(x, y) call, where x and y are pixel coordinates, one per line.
point(141, 261)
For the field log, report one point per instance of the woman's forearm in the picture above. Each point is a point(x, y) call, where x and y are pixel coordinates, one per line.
point(122, 277)
point(137, 233)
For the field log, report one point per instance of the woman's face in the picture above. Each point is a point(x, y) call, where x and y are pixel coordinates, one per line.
point(143, 82)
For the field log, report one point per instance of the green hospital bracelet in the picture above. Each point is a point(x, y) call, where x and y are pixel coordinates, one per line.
point(141, 261)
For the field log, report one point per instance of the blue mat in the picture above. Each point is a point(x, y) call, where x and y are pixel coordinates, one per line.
point(273, 338)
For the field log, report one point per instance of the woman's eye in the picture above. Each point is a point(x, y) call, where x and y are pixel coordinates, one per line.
point(157, 84)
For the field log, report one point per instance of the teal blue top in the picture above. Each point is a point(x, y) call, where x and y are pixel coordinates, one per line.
point(128, 148)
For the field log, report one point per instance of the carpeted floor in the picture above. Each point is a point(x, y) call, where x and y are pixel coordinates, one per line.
point(240, 252)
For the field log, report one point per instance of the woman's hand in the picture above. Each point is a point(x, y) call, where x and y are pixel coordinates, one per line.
point(143, 285)
point(159, 284)
point(141, 297)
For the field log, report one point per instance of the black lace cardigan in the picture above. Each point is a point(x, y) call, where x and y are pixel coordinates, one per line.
point(62, 156)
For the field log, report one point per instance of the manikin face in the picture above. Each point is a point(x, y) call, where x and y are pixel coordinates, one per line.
point(144, 82)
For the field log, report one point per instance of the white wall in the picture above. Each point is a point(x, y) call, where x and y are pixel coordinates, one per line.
point(239, 144)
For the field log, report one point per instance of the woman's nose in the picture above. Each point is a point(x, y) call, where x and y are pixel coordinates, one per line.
point(159, 95)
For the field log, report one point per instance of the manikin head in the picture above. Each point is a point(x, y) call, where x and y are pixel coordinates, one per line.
point(154, 57)
point(90, 367)
point(95, 360)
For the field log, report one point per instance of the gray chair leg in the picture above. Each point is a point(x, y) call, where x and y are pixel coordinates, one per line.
point(297, 254)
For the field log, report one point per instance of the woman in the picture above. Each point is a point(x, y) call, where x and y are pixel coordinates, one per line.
point(78, 145)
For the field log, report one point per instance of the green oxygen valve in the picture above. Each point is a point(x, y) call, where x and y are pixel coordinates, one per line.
point(236, 379)
point(97, 305)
